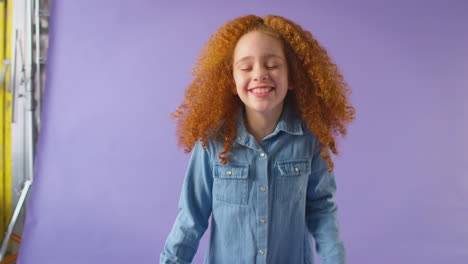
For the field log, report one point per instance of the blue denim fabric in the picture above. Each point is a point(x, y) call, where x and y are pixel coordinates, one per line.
point(267, 205)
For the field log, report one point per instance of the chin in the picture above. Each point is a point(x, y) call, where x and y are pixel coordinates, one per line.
point(263, 109)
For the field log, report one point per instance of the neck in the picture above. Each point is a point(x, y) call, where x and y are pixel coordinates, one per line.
point(260, 125)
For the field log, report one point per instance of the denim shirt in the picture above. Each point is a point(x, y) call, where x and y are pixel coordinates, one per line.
point(267, 205)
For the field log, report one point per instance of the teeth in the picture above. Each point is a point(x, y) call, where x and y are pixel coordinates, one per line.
point(261, 90)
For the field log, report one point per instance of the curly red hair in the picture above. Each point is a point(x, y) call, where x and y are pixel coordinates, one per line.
point(320, 93)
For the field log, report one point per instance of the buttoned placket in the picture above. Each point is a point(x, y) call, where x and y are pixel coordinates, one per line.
point(262, 192)
point(261, 181)
point(262, 206)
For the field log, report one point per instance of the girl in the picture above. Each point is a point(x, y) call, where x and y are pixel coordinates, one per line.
point(261, 117)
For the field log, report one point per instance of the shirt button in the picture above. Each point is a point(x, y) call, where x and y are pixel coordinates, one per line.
point(262, 189)
point(228, 172)
point(296, 169)
point(240, 137)
point(262, 154)
point(262, 220)
point(261, 252)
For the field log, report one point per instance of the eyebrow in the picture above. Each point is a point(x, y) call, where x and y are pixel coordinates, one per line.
point(265, 56)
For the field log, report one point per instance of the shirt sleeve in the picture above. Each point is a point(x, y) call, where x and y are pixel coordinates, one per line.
point(321, 211)
point(194, 210)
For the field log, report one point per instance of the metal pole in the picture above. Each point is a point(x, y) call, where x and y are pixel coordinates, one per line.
point(14, 218)
point(38, 83)
point(30, 101)
point(12, 82)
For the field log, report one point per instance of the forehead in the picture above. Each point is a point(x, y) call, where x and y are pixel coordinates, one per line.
point(258, 44)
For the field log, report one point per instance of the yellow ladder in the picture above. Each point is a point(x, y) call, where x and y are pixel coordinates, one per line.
point(5, 117)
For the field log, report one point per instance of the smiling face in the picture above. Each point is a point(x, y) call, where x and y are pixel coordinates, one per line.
point(260, 73)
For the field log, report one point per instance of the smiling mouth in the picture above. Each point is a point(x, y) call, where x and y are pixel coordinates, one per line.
point(261, 90)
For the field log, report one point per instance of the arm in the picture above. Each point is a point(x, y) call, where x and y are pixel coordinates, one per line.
point(194, 210)
point(321, 212)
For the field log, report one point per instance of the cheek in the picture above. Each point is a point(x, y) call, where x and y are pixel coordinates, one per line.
point(283, 78)
point(240, 83)
point(236, 79)
point(237, 86)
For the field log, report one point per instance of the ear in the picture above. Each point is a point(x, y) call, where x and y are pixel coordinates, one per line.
point(291, 87)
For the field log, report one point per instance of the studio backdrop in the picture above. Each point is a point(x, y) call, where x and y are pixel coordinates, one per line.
point(108, 171)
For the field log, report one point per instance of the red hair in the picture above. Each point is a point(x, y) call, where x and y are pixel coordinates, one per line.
point(320, 93)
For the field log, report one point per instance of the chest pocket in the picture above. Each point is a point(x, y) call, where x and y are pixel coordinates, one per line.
point(291, 179)
point(231, 183)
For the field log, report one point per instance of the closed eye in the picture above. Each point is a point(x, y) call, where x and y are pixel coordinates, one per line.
point(268, 67)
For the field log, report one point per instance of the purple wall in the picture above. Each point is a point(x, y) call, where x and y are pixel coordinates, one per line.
point(109, 172)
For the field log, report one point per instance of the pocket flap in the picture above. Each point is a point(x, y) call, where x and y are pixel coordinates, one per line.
point(294, 167)
point(231, 171)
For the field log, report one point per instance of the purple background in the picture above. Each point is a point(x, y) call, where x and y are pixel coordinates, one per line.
point(109, 172)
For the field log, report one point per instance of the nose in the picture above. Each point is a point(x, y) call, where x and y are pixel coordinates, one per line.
point(260, 74)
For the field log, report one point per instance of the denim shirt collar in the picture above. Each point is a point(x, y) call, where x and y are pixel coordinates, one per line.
point(289, 122)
